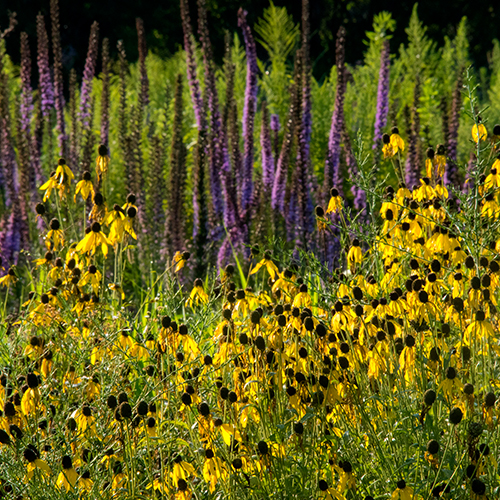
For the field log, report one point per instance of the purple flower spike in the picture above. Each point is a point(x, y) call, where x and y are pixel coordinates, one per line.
point(58, 77)
point(215, 144)
point(194, 84)
point(333, 176)
point(45, 80)
point(275, 127)
point(249, 109)
point(105, 93)
point(141, 40)
point(26, 95)
point(382, 95)
point(88, 75)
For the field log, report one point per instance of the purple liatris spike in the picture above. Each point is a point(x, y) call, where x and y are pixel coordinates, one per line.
point(58, 77)
point(275, 127)
point(10, 240)
point(88, 75)
point(26, 95)
point(194, 84)
point(275, 123)
point(333, 175)
point(249, 109)
point(267, 153)
point(215, 151)
point(105, 93)
point(141, 41)
point(44, 79)
point(382, 95)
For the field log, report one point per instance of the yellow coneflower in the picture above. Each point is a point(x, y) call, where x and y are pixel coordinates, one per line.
point(102, 162)
point(329, 493)
point(85, 186)
point(335, 204)
point(68, 476)
point(8, 279)
point(92, 240)
point(451, 383)
point(49, 186)
point(131, 199)
point(213, 469)
point(181, 469)
point(84, 420)
point(118, 289)
point(119, 478)
point(54, 239)
point(397, 142)
point(387, 147)
point(268, 263)
point(197, 294)
point(179, 260)
point(99, 209)
point(404, 492)
point(92, 276)
point(34, 462)
point(479, 132)
point(31, 402)
point(85, 483)
point(320, 219)
point(355, 255)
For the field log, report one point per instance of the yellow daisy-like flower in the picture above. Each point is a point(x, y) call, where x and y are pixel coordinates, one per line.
point(34, 462)
point(479, 132)
point(397, 142)
point(179, 260)
point(355, 255)
point(92, 240)
point(49, 186)
point(404, 492)
point(102, 162)
point(328, 493)
point(68, 476)
point(213, 469)
point(54, 238)
point(197, 294)
point(268, 263)
point(99, 209)
point(9, 279)
point(63, 177)
point(84, 187)
point(335, 203)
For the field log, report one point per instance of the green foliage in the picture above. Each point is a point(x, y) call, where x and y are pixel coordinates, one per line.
point(279, 35)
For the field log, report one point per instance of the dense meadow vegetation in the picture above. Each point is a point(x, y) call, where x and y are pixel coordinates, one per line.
point(241, 282)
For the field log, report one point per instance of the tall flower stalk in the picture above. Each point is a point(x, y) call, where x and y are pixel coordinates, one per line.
point(105, 93)
point(382, 95)
point(249, 110)
point(88, 75)
point(141, 43)
point(191, 67)
point(215, 139)
point(58, 77)
point(44, 78)
point(333, 175)
point(175, 233)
